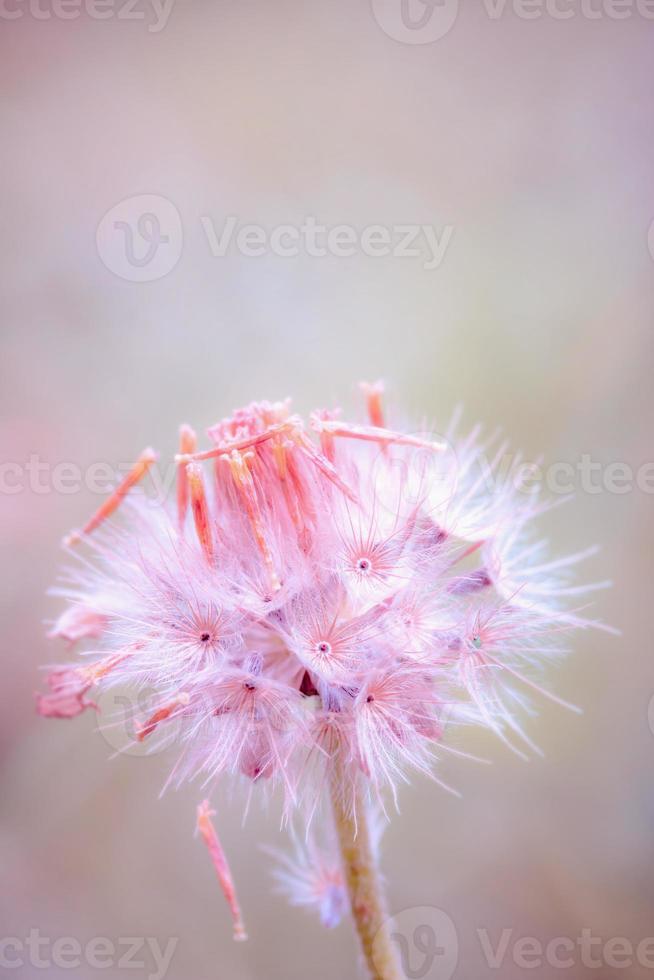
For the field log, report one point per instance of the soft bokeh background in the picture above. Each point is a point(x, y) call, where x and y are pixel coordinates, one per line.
point(533, 139)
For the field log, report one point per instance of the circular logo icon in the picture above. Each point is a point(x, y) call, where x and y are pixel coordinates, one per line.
point(426, 941)
point(650, 714)
point(650, 239)
point(418, 470)
point(140, 239)
point(415, 21)
point(132, 722)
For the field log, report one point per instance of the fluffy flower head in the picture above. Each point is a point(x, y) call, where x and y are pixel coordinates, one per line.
point(315, 592)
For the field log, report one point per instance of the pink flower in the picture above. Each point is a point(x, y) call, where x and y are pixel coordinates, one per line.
point(313, 878)
point(312, 875)
point(318, 604)
point(77, 622)
point(68, 686)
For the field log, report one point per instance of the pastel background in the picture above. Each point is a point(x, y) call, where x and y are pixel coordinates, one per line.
point(533, 140)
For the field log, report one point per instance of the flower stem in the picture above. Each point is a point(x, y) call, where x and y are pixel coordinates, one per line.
point(364, 882)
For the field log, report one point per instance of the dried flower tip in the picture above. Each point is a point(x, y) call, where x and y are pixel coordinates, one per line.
point(103, 667)
point(238, 464)
point(371, 433)
point(68, 695)
point(236, 445)
point(373, 394)
point(210, 837)
point(200, 509)
point(69, 686)
point(163, 713)
point(323, 464)
point(187, 444)
point(78, 622)
point(327, 440)
point(137, 472)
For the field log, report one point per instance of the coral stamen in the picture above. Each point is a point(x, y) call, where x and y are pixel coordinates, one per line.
point(373, 394)
point(163, 713)
point(138, 471)
point(323, 464)
point(210, 837)
point(238, 464)
point(371, 433)
point(69, 687)
point(187, 444)
point(106, 666)
point(237, 445)
point(200, 509)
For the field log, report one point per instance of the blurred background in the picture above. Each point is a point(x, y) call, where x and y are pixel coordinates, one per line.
point(135, 136)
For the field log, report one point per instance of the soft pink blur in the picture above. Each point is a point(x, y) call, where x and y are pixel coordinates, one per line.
point(533, 139)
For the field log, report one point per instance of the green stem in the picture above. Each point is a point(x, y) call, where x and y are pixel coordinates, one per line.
point(364, 882)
